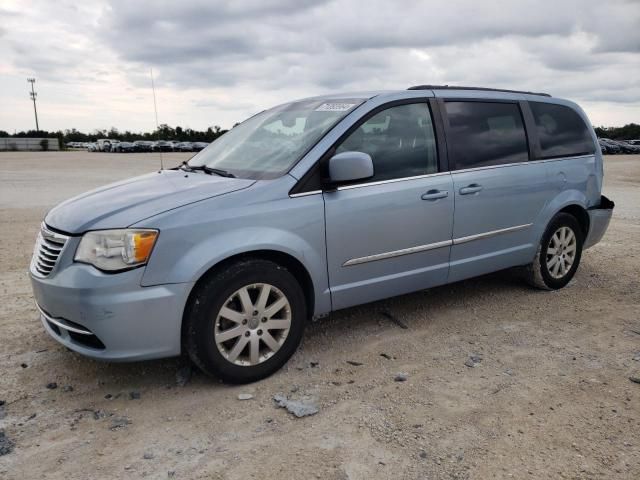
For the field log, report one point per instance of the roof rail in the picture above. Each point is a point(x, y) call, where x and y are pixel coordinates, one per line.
point(483, 89)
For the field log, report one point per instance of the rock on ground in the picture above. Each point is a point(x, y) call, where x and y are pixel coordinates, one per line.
point(299, 408)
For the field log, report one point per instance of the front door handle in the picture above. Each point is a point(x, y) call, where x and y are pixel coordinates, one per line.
point(435, 195)
point(469, 189)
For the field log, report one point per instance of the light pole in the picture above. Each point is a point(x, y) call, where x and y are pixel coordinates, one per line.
point(33, 96)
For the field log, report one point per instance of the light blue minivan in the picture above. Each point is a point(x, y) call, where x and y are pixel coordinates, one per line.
point(314, 206)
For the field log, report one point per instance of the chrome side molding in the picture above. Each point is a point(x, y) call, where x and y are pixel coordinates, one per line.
point(432, 246)
point(492, 233)
point(397, 253)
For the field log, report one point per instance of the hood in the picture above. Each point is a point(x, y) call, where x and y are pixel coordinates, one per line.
point(124, 203)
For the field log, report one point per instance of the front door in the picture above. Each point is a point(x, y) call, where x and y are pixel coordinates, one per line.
point(390, 234)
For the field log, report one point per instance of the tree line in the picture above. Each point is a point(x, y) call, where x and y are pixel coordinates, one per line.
point(163, 132)
point(631, 131)
point(166, 132)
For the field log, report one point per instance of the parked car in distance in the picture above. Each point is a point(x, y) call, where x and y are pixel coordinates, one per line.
point(197, 146)
point(124, 147)
point(627, 147)
point(143, 145)
point(103, 145)
point(108, 145)
point(184, 147)
point(162, 146)
point(314, 206)
point(92, 147)
point(604, 147)
point(612, 147)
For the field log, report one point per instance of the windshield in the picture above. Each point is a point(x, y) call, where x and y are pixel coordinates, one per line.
point(268, 144)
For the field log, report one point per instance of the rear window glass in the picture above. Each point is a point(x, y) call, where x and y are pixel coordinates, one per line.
point(561, 130)
point(485, 133)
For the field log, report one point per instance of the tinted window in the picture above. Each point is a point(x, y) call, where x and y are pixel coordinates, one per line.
point(485, 133)
point(561, 131)
point(400, 141)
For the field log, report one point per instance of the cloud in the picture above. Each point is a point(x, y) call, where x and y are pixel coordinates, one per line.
point(336, 44)
point(216, 61)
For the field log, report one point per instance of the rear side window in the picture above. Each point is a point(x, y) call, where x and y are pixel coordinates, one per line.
point(561, 131)
point(485, 133)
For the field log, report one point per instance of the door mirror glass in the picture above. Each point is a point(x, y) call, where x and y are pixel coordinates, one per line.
point(350, 166)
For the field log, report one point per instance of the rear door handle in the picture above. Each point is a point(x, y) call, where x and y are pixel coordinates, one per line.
point(435, 195)
point(469, 189)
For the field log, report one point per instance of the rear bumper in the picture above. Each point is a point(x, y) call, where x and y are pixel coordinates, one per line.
point(599, 218)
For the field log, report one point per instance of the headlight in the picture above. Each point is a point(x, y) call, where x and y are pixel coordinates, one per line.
point(116, 249)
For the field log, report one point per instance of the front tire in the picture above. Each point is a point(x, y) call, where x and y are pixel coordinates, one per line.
point(558, 255)
point(245, 322)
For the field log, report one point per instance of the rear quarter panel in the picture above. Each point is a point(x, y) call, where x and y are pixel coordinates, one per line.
point(572, 181)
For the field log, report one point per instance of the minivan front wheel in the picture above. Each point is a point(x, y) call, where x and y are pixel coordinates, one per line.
point(558, 254)
point(244, 323)
point(253, 324)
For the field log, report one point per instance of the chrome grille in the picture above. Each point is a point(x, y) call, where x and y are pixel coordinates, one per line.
point(49, 246)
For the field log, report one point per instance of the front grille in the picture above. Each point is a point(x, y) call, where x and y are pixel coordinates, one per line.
point(49, 246)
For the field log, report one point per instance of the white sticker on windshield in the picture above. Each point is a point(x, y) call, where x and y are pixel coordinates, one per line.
point(335, 107)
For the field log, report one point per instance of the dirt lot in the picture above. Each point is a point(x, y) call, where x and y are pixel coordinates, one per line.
point(551, 397)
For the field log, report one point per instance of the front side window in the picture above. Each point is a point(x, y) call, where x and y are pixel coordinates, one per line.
point(400, 141)
point(485, 133)
point(268, 144)
point(561, 131)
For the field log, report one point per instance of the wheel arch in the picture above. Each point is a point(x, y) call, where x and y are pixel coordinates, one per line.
point(573, 202)
point(580, 214)
point(297, 269)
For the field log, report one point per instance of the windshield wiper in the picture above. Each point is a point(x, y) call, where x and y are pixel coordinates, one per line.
point(218, 171)
point(207, 170)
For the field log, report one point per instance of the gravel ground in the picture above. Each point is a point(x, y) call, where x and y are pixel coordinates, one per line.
point(489, 379)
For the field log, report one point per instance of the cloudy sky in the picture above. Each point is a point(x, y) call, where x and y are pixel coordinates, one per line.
point(216, 62)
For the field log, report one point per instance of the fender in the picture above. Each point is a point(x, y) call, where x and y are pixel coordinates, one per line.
point(200, 258)
point(225, 227)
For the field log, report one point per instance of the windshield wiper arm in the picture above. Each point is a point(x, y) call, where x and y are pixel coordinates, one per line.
point(217, 171)
point(207, 170)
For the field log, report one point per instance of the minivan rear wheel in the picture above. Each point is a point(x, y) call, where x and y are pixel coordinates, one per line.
point(558, 255)
point(246, 321)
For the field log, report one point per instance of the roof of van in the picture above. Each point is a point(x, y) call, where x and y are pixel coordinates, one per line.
point(482, 89)
point(448, 92)
point(481, 92)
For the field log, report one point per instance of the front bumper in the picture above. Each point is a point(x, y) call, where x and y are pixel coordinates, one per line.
point(599, 218)
point(111, 317)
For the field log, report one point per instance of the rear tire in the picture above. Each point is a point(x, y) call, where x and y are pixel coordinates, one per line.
point(558, 255)
point(245, 322)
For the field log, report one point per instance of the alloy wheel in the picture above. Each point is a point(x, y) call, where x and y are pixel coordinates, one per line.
point(561, 252)
point(252, 324)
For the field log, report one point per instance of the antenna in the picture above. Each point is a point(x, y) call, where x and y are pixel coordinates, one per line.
point(155, 108)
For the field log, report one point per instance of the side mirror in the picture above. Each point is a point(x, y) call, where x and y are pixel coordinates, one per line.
point(349, 166)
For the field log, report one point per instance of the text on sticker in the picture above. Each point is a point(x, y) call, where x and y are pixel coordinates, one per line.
point(334, 107)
